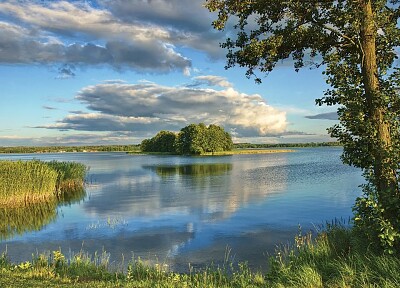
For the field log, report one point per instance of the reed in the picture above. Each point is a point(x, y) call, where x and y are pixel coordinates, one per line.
point(25, 182)
point(28, 182)
point(71, 175)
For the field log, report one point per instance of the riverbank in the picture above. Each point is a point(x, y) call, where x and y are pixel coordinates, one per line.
point(337, 257)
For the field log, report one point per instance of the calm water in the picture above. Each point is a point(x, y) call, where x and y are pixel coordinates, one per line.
point(182, 210)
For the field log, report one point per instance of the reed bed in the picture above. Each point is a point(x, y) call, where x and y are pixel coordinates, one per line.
point(24, 182)
point(28, 182)
point(71, 175)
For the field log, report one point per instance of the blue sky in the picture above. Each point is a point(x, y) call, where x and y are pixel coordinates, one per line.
point(115, 72)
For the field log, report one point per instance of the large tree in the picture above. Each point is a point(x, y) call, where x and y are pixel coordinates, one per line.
point(164, 141)
point(199, 139)
point(356, 43)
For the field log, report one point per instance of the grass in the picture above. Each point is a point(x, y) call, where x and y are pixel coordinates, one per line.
point(28, 182)
point(247, 151)
point(337, 257)
point(24, 182)
point(70, 175)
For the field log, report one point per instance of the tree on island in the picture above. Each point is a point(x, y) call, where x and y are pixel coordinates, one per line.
point(194, 139)
point(164, 141)
point(343, 37)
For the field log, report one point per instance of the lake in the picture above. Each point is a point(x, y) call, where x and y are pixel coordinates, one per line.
point(180, 210)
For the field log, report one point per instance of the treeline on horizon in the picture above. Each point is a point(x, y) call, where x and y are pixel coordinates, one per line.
point(194, 139)
point(137, 147)
point(57, 149)
point(285, 145)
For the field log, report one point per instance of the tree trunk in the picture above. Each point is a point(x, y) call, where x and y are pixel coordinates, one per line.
point(385, 177)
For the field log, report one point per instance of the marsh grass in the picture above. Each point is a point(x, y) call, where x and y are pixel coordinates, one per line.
point(336, 257)
point(70, 175)
point(27, 182)
point(246, 152)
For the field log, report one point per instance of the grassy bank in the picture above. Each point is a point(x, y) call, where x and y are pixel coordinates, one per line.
point(336, 258)
point(28, 182)
point(248, 151)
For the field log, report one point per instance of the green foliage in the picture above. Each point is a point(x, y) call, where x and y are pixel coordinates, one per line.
point(164, 141)
point(285, 145)
point(197, 139)
point(58, 149)
point(337, 257)
point(194, 139)
point(355, 43)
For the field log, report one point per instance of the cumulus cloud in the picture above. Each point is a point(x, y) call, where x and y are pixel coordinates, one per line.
point(77, 139)
point(148, 107)
point(190, 21)
point(139, 35)
point(324, 116)
point(54, 33)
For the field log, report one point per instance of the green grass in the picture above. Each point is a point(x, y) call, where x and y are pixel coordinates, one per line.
point(24, 182)
point(337, 257)
point(27, 182)
point(71, 175)
point(246, 151)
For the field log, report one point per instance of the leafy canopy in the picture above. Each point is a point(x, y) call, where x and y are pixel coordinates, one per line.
point(356, 43)
point(192, 139)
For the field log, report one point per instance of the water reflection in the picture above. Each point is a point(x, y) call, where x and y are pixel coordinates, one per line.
point(190, 209)
point(33, 217)
point(209, 191)
point(15, 221)
point(71, 196)
point(194, 170)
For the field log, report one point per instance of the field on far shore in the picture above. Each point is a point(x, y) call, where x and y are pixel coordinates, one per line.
point(248, 151)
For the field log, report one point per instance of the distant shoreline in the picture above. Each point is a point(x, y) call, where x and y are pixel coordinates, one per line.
point(248, 152)
point(222, 153)
point(239, 148)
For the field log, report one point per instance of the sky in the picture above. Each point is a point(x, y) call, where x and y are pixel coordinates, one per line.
point(118, 71)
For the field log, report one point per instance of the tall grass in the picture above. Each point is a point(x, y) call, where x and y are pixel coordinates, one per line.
point(337, 257)
point(25, 182)
point(71, 175)
point(28, 182)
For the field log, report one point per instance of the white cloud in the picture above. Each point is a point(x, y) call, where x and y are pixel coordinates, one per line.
point(62, 32)
point(148, 107)
point(77, 139)
point(212, 80)
point(141, 35)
